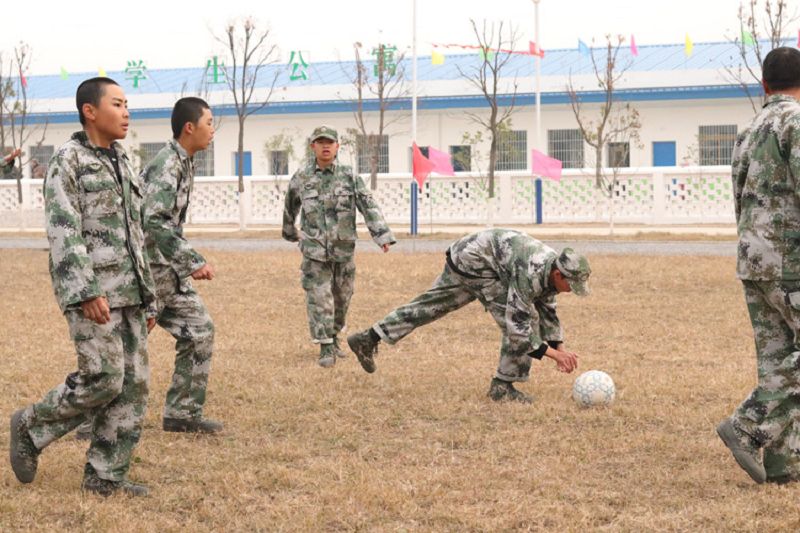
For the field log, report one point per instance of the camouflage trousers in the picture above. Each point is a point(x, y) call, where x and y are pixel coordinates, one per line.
point(449, 292)
point(329, 288)
point(109, 388)
point(771, 413)
point(183, 314)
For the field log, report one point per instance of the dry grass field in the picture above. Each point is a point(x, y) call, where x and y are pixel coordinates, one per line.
point(416, 446)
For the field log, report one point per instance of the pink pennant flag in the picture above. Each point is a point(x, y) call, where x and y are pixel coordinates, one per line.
point(798, 38)
point(441, 162)
point(421, 165)
point(534, 49)
point(546, 166)
point(634, 50)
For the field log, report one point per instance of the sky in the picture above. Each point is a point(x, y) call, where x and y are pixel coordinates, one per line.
point(179, 33)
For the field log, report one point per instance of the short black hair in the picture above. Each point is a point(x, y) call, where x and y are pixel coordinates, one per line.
point(188, 109)
point(90, 92)
point(781, 69)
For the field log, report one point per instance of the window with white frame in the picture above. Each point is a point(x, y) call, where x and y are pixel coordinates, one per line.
point(204, 161)
point(461, 157)
point(147, 151)
point(715, 144)
point(379, 143)
point(566, 146)
point(619, 154)
point(279, 162)
point(39, 159)
point(512, 147)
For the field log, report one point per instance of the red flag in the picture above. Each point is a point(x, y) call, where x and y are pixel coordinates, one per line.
point(634, 50)
point(422, 166)
point(798, 38)
point(534, 49)
point(441, 162)
point(23, 79)
point(546, 166)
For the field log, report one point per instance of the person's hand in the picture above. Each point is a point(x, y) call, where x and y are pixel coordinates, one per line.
point(10, 157)
point(151, 323)
point(385, 247)
point(565, 361)
point(97, 310)
point(204, 272)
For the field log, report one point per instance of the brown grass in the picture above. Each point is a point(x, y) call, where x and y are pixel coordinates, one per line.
point(416, 446)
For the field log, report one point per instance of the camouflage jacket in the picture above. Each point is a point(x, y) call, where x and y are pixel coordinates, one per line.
point(327, 200)
point(94, 227)
point(766, 190)
point(168, 181)
point(520, 266)
point(6, 167)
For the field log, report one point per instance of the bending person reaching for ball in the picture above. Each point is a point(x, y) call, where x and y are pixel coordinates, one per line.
point(516, 278)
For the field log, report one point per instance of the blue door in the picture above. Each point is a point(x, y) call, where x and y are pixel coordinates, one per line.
point(248, 164)
point(664, 154)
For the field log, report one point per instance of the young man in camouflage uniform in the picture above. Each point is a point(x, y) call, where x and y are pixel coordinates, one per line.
point(516, 278)
point(168, 179)
point(7, 163)
point(101, 279)
point(766, 185)
point(329, 194)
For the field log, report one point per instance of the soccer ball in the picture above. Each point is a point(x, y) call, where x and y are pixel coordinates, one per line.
point(593, 388)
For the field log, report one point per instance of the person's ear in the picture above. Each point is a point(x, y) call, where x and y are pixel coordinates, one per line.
point(89, 112)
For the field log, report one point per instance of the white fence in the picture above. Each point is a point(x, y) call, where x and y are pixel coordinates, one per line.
point(658, 195)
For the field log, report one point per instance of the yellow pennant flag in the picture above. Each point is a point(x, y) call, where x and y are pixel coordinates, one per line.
point(437, 58)
point(101, 72)
point(688, 46)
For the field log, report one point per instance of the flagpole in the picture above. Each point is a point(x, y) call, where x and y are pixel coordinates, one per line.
point(537, 185)
point(414, 103)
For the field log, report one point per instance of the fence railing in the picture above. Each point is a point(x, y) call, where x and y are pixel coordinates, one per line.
point(655, 195)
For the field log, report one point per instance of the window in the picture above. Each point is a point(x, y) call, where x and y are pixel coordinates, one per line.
point(382, 147)
point(567, 146)
point(279, 162)
point(619, 155)
point(147, 151)
point(512, 147)
point(461, 157)
point(204, 161)
point(40, 158)
point(716, 144)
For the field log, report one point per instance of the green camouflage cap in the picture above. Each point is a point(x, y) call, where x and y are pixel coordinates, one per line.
point(325, 132)
point(575, 268)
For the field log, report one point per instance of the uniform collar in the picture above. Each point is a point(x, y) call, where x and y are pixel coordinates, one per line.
point(180, 150)
point(331, 167)
point(84, 140)
point(774, 98)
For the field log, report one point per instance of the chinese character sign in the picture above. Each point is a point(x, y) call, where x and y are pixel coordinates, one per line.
point(384, 55)
point(215, 71)
point(299, 66)
point(135, 71)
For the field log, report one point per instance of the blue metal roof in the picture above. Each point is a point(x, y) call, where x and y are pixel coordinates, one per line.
point(671, 57)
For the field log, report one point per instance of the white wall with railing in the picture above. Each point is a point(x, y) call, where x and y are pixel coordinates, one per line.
point(654, 195)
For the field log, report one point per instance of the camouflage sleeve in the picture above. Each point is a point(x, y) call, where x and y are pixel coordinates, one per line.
point(373, 217)
point(70, 265)
point(549, 324)
point(291, 207)
point(160, 198)
point(522, 321)
point(794, 151)
point(6, 166)
point(739, 175)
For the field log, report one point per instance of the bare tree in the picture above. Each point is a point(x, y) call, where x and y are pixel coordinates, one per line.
point(613, 122)
point(761, 26)
point(16, 130)
point(496, 43)
point(385, 85)
point(249, 52)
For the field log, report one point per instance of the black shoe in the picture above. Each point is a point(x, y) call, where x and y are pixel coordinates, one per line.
point(365, 349)
point(23, 453)
point(192, 425)
point(106, 487)
point(504, 391)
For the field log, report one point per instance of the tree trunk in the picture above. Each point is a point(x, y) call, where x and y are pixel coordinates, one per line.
point(240, 165)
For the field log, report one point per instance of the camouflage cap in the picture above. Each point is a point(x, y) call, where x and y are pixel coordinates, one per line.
point(576, 270)
point(325, 132)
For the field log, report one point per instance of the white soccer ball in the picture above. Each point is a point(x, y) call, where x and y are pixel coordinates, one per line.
point(594, 388)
